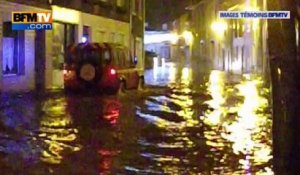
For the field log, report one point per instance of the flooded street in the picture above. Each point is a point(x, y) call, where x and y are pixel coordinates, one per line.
point(185, 122)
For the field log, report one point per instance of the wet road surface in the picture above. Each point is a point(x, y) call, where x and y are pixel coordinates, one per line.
point(187, 122)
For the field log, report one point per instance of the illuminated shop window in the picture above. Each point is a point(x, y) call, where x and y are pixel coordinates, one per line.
point(63, 36)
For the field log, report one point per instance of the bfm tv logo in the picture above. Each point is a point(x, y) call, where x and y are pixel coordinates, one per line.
point(31, 20)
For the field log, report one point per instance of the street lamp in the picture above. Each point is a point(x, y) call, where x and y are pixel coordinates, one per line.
point(188, 36)
point(219, 27)
point(174, 38)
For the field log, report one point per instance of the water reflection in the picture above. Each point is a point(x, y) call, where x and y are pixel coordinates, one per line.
point(186, 75)
point(17, 147)
point(222, 129)
point(57, 132)
point(216, 88)
point(172, 71)
point(58, 135)
point(162, 75)
point(108, 152)
point(97, 120)
point(244, 124)
point(173, 114)
point(250, 132)
point(231, 136)
point(111, 111)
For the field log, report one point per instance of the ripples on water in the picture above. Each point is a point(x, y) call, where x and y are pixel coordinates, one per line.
point(216, 127)
point(223, 129)
point(57, 131)
point(38, 137)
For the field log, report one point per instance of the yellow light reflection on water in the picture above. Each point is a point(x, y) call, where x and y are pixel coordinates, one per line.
point(172, 71)
point(181, 97)
point(247, 128)
point(215, 88)
point(246, 132)
point(186, 75)
point(55, 131)
point(186, 102)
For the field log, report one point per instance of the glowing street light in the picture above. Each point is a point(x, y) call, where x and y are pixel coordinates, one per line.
point(174, 38)
point(188, 36)
point(84, 39)
point(219, 27)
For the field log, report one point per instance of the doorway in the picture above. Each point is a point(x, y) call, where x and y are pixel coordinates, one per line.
point(63, 35)
point(40, 60)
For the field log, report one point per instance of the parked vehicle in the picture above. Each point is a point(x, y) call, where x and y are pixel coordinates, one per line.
point(125, 65)
point(100, 66)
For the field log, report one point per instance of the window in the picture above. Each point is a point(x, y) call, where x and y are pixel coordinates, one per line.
point(120, 39)
point(86, 34)
point(122, 58)
point(106, 56)
point(63, 36)
point(138, 49)
point(101, 37)
point(133, 6)
point(126, 57)
point(69, 34)
point(13, 50)
point(112, 38)
point(120, 3)
point(137, 2)
point(104, 3)
point(93, 56)
point(104, 35)
point(115, 57)
point(139, 7)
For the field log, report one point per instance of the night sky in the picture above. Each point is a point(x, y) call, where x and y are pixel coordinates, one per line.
point(161, 11)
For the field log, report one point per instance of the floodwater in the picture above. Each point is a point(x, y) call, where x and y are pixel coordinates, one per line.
point(188, 122)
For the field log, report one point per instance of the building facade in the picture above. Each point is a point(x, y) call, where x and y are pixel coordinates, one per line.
point(34, 59)
point(181, 50)
point(17, 49)
point(137, 28)
point(238, 46)
point(159, 43)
